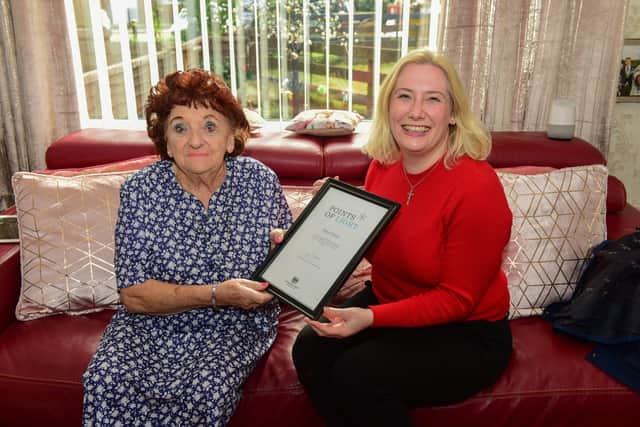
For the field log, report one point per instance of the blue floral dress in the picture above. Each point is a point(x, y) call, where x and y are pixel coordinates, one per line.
point(185, 369)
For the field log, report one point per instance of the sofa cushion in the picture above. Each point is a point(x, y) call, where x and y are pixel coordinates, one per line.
point(558, 216)
point(66, 242)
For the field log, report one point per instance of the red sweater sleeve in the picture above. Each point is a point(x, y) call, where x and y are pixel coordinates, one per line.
point(440, 260)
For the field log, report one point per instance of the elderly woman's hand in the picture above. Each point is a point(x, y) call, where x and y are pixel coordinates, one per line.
point(319, 183)
point(276, 236)
point(242, 293)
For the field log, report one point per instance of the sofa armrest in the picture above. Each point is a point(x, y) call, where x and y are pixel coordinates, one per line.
point(622, 222)
point(9, 283)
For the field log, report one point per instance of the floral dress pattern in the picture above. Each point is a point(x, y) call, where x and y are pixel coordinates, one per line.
point(185, 369)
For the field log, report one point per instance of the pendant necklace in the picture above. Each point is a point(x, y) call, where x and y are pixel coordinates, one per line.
point(412, 186)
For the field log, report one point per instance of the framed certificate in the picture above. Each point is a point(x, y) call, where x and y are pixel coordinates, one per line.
point(324, 245)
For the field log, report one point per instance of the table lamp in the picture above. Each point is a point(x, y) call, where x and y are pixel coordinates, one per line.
point(562, 119)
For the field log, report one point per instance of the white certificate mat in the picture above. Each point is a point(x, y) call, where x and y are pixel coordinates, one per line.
point(324, 245)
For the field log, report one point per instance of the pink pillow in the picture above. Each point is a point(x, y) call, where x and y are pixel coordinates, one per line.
point(120, 166)
point(66, 227)
point(325, 122)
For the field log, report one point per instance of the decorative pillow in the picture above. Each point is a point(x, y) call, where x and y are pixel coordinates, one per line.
point(526, 170)
point(255, 119)
point(558, 216)
point(325, 122)
point(66, 242)
point(298, 196)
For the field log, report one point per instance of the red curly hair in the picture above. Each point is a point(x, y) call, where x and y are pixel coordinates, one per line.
point(193, 88)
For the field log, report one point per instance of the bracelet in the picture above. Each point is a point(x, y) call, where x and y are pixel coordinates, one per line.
point(214, 302)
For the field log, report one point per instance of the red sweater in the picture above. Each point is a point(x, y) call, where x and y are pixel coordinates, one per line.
point(439, 259)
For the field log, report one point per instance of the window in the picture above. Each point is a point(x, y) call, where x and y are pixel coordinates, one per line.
point(278, 56)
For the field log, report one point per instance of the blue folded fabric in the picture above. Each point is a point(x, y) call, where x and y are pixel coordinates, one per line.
point(621, 361)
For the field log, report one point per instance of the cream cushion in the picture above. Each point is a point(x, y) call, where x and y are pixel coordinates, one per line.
point(67, 228)
point(558, 216)
point(325, 122)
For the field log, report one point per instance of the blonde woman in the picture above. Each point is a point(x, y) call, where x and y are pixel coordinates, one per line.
point(432, 328)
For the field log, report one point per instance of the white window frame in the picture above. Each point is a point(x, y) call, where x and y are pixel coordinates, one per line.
point(119, 12)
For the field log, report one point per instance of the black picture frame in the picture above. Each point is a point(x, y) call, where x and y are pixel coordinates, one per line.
point(324, 245)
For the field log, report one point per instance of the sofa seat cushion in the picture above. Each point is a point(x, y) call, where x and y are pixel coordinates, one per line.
point(41, 364)
point(547, 383)
point(51, 349)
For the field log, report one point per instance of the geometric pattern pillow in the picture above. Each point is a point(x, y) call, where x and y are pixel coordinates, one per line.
point(133, 164)
point(558, 217)
point(298, 196)
point(66, 227)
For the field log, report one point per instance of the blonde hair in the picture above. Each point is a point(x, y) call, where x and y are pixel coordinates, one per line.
point(468, 136)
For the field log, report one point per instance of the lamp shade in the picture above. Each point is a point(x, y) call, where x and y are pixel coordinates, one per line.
point(562, 119)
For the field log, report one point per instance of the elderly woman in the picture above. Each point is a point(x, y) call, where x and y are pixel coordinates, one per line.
point(190, 229)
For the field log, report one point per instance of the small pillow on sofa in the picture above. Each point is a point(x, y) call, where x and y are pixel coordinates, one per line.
point(66, 242)
point(325, 122)
point(255, 119)
point(558, 216)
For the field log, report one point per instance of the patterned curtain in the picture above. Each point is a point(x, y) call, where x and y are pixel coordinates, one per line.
point(516, 56)
point(37, 91)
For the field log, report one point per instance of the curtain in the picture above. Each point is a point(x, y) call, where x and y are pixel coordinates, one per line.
point(37, 90)
point(516, 56)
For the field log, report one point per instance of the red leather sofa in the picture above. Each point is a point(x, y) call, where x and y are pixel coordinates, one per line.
point(548, 382)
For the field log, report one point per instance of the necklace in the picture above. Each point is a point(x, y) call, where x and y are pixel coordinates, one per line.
point(412, 186)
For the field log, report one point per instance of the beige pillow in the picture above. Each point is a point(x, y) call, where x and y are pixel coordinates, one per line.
point(298, 196)
point(254, 118)
point(558, 217)
point(66, 242)
point(325, 122)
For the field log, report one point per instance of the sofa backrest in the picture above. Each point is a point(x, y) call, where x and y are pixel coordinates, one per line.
point(301, 159)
